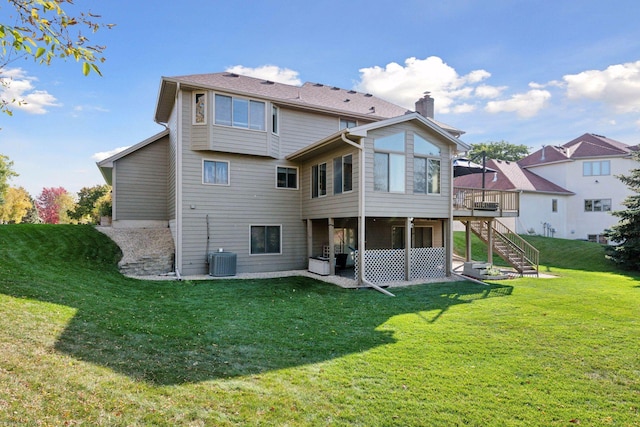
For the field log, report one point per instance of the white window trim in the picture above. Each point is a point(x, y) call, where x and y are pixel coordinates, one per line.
point(591, 162)
point(249, 112)
point(343, 190)
point(297, 177)
point(228, 172)
point(601, 210)
point(427, 158)
point(193, 105)
point(265, 225)
point(326, 173)
point(277, 131)
point(346, 119)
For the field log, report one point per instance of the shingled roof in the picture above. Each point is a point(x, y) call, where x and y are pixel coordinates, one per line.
point(314, 96)
point(510, 176)
point(585, 146)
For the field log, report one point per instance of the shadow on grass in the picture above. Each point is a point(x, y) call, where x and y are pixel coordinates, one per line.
point(182, 332)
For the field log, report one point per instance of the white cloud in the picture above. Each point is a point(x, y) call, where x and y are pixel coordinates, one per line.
point(268, 72)
point(617, 86)
point(404, 85)
point(82, 108)
point(487, 91)
point(464, 108)
point(106, 154)
point(17, 88)
point(524, 104)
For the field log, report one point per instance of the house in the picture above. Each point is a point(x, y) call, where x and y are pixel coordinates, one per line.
point(543, 204)
point(587, 166)
point(568, 191)
point(276, 177)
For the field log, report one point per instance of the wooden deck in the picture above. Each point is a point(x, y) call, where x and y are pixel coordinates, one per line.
point(478, 203)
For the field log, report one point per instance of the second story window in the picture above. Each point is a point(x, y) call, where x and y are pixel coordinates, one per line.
point(319, 180)
point(240, 112)
point(274, 119)
point(347, 123)
point(602, 167)
point(426, 170)
point(426, 175)
point(389, 164)
point(597, 205)
point(199, 108)
point(342, 174)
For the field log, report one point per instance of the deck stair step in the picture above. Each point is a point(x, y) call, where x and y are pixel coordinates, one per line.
point(512, 248)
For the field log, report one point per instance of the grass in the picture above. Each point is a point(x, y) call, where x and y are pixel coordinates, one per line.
point(82, 345)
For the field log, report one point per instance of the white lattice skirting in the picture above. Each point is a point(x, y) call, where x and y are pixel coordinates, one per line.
point(388, 265)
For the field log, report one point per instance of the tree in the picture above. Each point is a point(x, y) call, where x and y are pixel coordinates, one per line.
point(16, 205)
point(627, 231)
point(66, 203)
point(43, 30)
point(86, 210)
point(32, 216)
point(6, 173)
point(499, 150)
point(53, 204)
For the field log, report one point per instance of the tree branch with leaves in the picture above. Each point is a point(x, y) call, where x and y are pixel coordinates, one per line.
point(44, 31)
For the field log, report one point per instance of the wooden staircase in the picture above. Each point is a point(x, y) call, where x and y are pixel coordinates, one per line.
point(509, 246)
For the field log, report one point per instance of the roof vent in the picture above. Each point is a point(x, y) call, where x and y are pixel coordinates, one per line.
point(267, 82)
point(372, 109)
point(599, 136)
point(347, 100)
point(352, 91)
point(368, 95)
point(335, 88)
point(231, 75)
point(318, 85)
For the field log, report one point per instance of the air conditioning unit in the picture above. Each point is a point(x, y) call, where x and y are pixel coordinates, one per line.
point(222, 264)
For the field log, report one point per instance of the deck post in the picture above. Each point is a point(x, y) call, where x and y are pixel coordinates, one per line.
point(490, 240)
point(309, 238)
point(332, 249)
point(467, 241)
point(407, 248)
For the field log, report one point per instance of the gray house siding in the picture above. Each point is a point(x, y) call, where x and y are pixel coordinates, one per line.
point(171, 169)
point(141, 192)
point(408, 204)
point(251, 198)
point(299, 129)
point(332, 205)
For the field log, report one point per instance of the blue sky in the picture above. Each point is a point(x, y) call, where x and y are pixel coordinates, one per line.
point(528, 72)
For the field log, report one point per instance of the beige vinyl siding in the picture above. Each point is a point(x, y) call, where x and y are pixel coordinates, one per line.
point(171, 169)
point(408, 204)
point(251, 198)
point(238, 140)
point(330, 206)
point(299, 129)
point(141, 181)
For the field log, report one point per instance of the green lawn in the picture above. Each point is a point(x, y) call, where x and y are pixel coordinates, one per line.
point(82, 345)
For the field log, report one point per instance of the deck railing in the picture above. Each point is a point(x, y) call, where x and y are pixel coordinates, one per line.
point(486, 201)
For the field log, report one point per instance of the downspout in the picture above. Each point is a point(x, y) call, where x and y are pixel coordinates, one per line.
point(361, 213)
point(178, 191)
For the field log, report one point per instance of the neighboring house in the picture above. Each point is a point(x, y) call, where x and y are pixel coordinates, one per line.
point(568, 191)
point(276, 174)
point(543, 204)
point(587, 166)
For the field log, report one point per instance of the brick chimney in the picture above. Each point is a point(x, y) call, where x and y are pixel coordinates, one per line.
point(425, 105)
